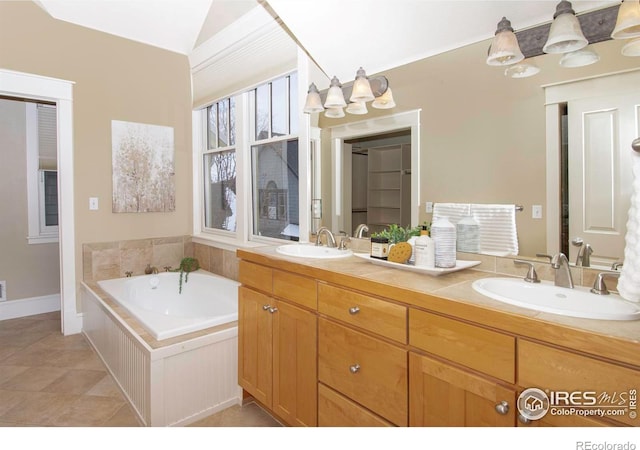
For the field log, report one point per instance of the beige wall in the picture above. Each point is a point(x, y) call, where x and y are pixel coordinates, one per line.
point(115, 79)
point(482, 134)
point(29, 270)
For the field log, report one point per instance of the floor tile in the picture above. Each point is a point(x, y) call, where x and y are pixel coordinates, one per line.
point(249, 415)
point(8, 372)
point(106, 387)
point(124, 417)
point(75, 382)
point(38, 408)
point(30, 356)
point(87, 411)
point(7, 351)
point(9, 399)
point(59, 341)
point(33, 379)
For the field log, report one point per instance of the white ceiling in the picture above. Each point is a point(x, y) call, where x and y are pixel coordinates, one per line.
point(340, 35)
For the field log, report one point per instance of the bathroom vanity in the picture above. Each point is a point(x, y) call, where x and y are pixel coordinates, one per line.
point(348, 343)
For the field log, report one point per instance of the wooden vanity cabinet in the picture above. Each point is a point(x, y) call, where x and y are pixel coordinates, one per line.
point(277, 358)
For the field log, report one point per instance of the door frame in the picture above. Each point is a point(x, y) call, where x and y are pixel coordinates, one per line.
point(558, 93)
point(37, 87)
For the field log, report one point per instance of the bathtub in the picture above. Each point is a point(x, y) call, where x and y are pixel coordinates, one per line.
point(174, 356)
point(206, 300)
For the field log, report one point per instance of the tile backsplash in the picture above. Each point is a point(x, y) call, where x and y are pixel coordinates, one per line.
point(105, 260)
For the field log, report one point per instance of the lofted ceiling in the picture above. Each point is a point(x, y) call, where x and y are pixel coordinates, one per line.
point(340, 35)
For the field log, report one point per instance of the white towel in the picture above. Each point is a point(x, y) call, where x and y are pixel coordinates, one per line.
point(629, 283)
point(498, 233)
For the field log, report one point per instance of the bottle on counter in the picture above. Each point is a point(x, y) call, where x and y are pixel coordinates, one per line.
point(443, 233)
point(424, 251)
point(380, 247)
point(468, 235)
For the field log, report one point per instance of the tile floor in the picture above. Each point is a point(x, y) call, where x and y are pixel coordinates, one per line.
point(47, 379)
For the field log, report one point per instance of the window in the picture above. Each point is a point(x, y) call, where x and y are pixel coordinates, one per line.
point(42, 175)
point(220, 167)
point(274, 160)
point(262, 130)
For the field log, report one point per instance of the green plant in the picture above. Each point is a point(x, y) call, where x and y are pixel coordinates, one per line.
point(397, 234)
point(187, 265)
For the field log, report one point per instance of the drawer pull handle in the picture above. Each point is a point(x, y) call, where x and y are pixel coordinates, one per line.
point(354, 310)
point(266, 307)
point(354, 368)
point(273, 309)
point(502, 407)
point(523, 419)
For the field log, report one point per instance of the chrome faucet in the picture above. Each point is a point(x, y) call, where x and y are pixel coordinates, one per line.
point(599, 287)
point(563, 278)
point(360, 230)
point(584, 256)
point(331, 240)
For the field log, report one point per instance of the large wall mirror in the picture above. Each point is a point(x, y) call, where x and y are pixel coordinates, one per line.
point(482, 138)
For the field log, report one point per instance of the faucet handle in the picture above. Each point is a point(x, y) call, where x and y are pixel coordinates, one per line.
point(599, 287)
point(616, 265)
point(167, 268)
point(532, 275)
point(544, 255)
point(344, 241)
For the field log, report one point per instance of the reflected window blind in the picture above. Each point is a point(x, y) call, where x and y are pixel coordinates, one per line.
point(47, 136)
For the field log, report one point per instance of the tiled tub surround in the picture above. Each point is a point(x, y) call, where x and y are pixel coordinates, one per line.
point(107, 260)
point(176, 381)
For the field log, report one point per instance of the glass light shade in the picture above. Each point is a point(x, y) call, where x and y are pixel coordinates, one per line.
point(631, 48)
point(579, 58)
point(334, 113)
point(565, 35)
point(357, 108)
point(361, 88)
point(313, 104)
point(524, 69)
point(504, 48)
point(628, 22)
point(335, 97)
point(385, 101)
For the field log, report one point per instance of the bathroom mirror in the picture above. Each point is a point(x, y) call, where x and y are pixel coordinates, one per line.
point(483, 135)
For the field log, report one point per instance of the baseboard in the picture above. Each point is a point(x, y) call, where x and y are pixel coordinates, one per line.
point(12, 309)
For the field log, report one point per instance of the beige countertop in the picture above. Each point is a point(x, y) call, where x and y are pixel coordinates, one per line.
point(451, 294)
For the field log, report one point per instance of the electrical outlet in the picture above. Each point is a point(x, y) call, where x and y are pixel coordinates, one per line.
point(428, 206)
point(316, 208)
point(3, 291)
point(93, 203)
point(536, 211)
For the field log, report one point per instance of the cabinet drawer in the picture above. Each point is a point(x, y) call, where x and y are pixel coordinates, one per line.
point(256, 276)
point(480, 349)
point(372, 314)
point(558, 370)
point(365, 369)
point(336, 410)
point(295, 288)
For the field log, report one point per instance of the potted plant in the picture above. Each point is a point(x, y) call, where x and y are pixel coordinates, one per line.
point(187, 265)
point(396, 233)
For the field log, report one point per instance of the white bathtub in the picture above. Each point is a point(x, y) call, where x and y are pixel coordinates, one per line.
point(179, 380)
point(206, 300)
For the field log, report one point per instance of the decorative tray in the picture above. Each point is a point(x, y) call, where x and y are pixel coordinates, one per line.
point(433, 271)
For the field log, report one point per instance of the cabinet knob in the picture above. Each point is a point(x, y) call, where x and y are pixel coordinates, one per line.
point(354, 310)
point(354, 368)
point(273, 309)
point(266, 307)
point(502, 407)
point(524, 419)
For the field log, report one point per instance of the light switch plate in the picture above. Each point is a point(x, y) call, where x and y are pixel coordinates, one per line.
point(93, 203)
point(428, 206)
point(536, 211)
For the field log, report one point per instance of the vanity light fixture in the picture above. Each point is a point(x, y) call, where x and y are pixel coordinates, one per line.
point(628, 21)
point(362, 90)
point(504, 48)
point(523, 69)
point(579, 58)
point(565, 34)
point(632, 48)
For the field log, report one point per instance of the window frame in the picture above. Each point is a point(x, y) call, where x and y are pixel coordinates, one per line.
point(245, 117)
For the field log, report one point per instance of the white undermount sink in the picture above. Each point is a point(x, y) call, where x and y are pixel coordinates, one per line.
point(546, 297)
point(312, 251)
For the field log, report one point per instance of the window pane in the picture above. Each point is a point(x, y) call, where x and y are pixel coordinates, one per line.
point(223, 123)
point(275, 189)
point(232, 122)
point(279, 106)
point(50, 198)
point(293, 104)
point(220, 190)
point(262, 112)
point(212, 127)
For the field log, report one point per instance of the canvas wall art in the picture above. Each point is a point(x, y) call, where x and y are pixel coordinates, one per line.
point(143, 167)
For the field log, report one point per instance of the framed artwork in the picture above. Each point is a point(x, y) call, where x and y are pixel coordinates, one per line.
point(143, 167)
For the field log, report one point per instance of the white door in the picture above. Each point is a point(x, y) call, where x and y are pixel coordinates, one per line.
point(600, 133)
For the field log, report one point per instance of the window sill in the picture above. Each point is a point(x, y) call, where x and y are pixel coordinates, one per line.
point(225, 243)
point(43, 239)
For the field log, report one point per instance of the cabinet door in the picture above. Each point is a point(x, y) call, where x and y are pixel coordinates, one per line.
point(295, 383)
point(442, 395)
point(255, 335)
